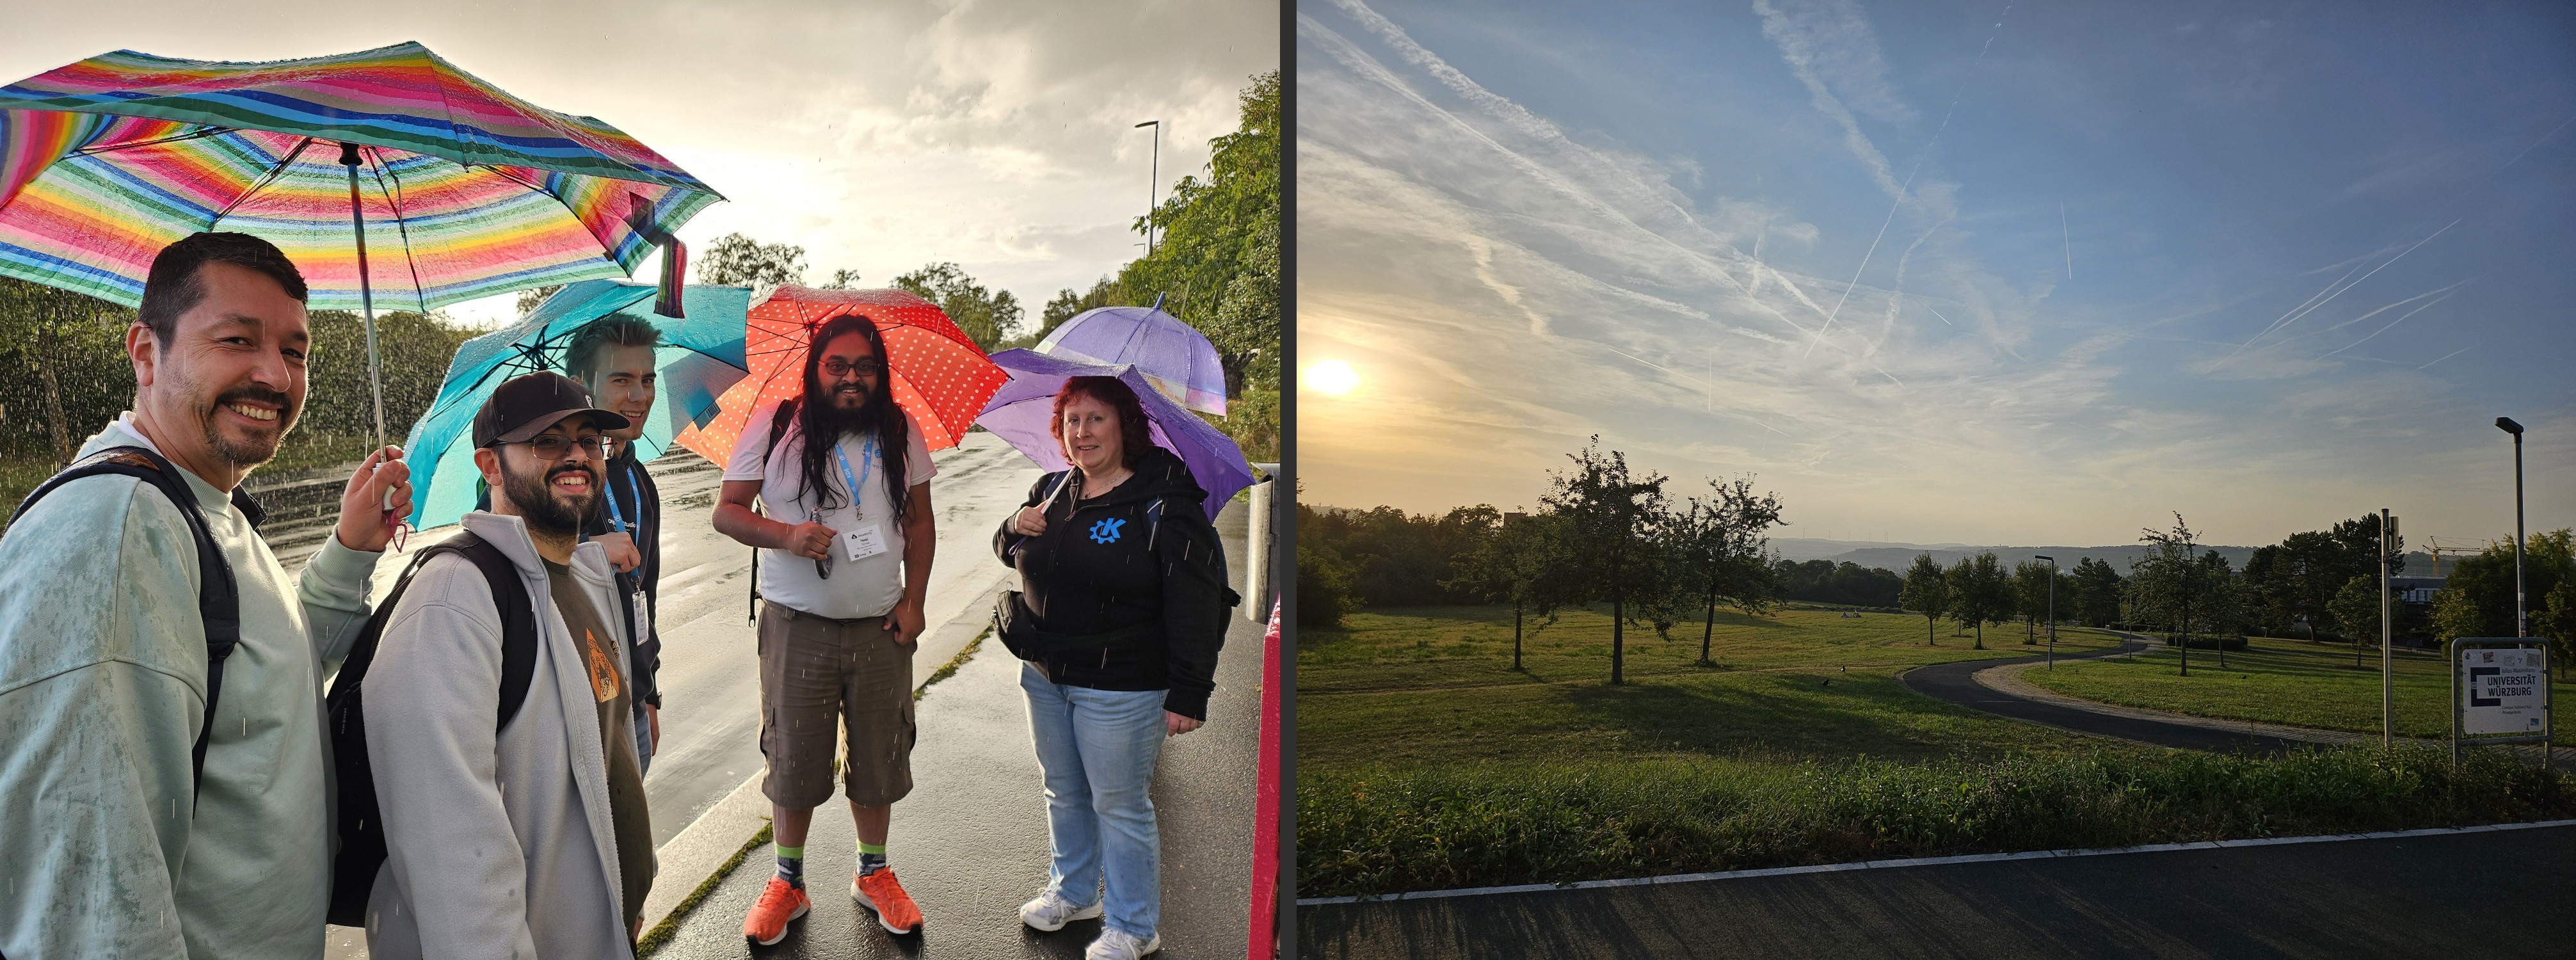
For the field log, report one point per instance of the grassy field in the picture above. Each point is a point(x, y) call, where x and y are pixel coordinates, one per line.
point(20, 475)
point(2280, 681)
point(1434, 685)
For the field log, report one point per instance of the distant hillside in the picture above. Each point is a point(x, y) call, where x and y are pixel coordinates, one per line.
point(1898, 556)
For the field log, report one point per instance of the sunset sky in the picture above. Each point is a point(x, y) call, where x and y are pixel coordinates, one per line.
point(1951, 271)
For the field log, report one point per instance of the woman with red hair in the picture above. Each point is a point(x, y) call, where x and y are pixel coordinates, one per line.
point(1120, 612)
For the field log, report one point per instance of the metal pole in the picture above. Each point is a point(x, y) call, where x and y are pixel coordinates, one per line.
point(2052, 608)
point(2521, 621)
point(1152, 180)
point(2387, 661)
point(366, 295)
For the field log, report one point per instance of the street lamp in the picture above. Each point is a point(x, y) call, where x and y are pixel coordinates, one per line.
point(2507, 425)
point(1154, 177)
point(2052, 607)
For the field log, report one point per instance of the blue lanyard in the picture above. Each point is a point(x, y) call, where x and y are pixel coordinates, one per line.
point(867, 462)
point(614, 515)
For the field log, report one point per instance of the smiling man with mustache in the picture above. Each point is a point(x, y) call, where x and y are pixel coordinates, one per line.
point(141, 824)
point(532, 839)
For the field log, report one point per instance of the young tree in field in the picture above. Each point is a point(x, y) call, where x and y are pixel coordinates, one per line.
point(1927, 592)
point(2356, 610)
point(2032, 582)
point(2456, 615)
point(2165, 581)
point(1516, 562)
point(1716, 544)
point(1606, 529)
point(1980, 593)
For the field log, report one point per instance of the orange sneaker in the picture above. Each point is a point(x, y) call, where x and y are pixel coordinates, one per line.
point(894, 908)
point(779, 904)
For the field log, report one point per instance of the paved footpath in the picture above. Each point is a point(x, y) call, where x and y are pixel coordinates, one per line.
point(2502, 894)
point(970, 842)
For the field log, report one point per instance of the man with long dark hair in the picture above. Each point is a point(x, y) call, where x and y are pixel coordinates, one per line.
point(845, 476)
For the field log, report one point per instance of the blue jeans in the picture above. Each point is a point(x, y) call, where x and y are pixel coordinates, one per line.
point(1098, 749)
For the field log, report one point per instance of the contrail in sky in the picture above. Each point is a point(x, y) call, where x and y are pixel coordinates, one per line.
point(2311, 307)
point(2070, 239)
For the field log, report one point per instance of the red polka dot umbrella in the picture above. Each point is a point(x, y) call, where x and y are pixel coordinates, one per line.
point(937, 373)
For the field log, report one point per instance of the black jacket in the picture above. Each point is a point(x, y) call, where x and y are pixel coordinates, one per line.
point(1112, 599)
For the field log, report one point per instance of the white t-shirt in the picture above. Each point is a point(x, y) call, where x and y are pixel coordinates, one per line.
point(868, 587)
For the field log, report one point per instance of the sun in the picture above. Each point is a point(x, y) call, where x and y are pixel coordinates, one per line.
point(1332, 377)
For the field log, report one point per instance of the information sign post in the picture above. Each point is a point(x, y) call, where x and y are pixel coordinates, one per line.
point(2499, 693)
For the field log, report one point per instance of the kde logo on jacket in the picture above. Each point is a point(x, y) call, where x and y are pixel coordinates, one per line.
point(1106, 531)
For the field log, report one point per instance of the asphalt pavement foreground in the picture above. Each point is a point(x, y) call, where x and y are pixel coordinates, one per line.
point(2501, 894)
point(970, 842)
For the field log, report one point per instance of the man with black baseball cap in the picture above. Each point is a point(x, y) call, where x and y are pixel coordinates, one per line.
point(557, 864)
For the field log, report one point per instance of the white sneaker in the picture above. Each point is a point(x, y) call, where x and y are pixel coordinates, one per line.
point(1116, 944)
point(1051, 911)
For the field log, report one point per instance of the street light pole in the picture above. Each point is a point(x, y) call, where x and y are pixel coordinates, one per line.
point(2520, 623)
point(2387, 631)
point(2052, 608)
point(1152, 180)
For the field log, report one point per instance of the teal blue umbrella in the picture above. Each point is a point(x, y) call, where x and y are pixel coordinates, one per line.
point(699, 357)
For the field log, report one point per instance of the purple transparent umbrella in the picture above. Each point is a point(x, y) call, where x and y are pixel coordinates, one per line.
point(1020, 411)
point(1173, 356)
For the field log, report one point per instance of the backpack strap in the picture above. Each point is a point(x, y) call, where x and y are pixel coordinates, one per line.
point(518, 621)
point(218, 599)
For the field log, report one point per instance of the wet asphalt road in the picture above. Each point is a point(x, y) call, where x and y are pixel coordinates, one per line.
point(2504, 894)
point(970, 842)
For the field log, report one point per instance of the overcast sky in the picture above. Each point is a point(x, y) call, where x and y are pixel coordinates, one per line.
point(1947, 271)
point(879, 136)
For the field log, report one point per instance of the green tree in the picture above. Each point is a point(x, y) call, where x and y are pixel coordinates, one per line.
point(736, 258)
point(1927, 592)
point(1606, 520)
point(533, 297)
point(1716, 544)
point(2456, 615)
point(2556, 622)
point(1517, 563)
point(2097, 589)
point(2032, 584)
point(2356, 611)
point(1980, 593)
point(843, 279)
point(987, 316)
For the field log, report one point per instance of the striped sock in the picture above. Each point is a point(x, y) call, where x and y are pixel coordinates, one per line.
point(872, 857)
point(791, 866)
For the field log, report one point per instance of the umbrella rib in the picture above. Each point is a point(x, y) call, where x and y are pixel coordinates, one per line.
point(271, 177)
point(207, 130)
point(419, 297)
point(604, 252)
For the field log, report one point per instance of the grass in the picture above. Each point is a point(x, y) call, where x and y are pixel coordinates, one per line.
point(2290, 682)
point(21, 473)
point(662, 932)
point(1434, 685)
point(1387, 830)
point(949, 669)
point(1426, 762)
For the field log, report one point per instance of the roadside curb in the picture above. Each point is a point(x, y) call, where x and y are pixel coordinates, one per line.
point(712, 844)
point(1926, 862)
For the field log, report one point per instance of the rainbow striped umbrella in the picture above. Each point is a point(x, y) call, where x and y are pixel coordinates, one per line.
point(461, 189)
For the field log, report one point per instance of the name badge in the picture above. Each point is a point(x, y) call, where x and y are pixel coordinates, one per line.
point(864, 542)
point(643, 619)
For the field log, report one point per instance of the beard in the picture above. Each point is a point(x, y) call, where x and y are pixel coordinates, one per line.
point(544, 510)
point(260, 444)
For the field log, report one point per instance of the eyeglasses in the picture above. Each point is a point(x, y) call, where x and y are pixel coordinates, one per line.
point(553, 446)
point(865, 368)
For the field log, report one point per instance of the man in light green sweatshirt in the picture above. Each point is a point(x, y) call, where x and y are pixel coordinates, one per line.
point(110, 846)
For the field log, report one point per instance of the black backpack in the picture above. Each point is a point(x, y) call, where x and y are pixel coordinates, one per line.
point(361, 824)
point(218, 599)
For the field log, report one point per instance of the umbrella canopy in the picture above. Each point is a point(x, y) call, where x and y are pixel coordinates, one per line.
point(934, 370)
point(700, 357)
point(465, 191)
point(1019, 413)
point(1174, 356)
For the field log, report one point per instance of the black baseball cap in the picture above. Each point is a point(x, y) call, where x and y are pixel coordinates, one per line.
point(527, 405)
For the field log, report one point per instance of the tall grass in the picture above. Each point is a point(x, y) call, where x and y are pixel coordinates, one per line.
point(1378, 831)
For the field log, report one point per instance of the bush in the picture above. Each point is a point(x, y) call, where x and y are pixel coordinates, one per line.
point(1389, 831)
point(2203, 641)
point(1323, 587)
